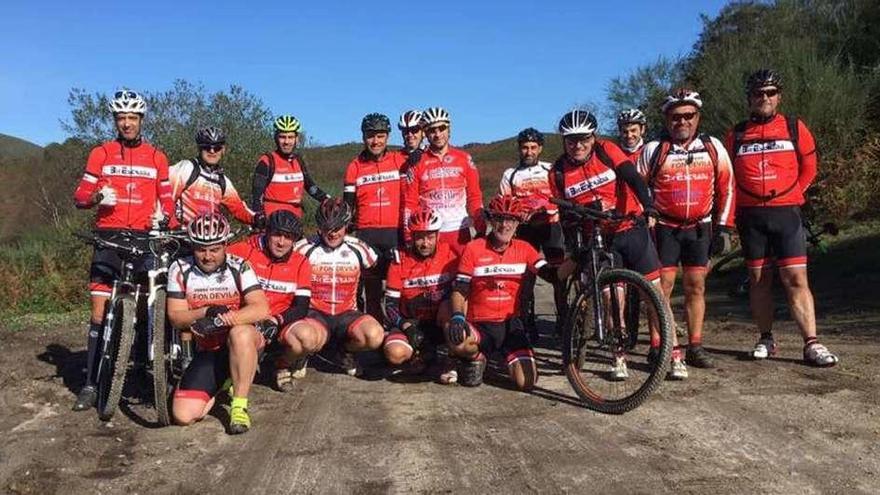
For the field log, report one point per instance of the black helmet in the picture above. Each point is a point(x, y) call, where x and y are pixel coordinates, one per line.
point(333, 214)
point(578, 122)
point(530, 135)
point(763, 78)
point(286, 222)
point(210, 136)
point(375, 122)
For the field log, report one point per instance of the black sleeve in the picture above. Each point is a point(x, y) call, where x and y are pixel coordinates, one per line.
point(312, 187)
point(627, 171)
point(351, 199)
point(296, 311)
point(258, 185)
point(548, 273)
point(392, 311)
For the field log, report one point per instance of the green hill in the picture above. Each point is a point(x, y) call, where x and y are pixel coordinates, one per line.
point(13, 147)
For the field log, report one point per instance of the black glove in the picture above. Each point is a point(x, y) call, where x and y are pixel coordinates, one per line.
point(413, 333)
point(721, 242)
point(269, 329)
point(163, 224)
point(458, 329)
point(215, 311)
point(259, 221)
point(208, 325)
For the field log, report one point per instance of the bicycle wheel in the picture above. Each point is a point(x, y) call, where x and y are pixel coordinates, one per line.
point(719, 264)
point(115, 360)
point(159, 347)
point(589, 358)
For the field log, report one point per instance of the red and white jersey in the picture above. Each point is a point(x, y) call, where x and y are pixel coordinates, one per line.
point(532, 186)
point(336, 273)
point(422, 284)
point(449, 185)
point(632, 154)
point(689, 185)
point(769, 171)
point(376, 186)
point(225, 286)
point(206, 194)
point(138, 174)
point(282, 280)
point(496, 279)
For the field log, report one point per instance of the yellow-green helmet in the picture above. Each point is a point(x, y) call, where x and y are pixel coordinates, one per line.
point(287, 123)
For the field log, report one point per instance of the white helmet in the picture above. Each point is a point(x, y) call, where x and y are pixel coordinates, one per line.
point(578, 122)
point(410, 119)
point(208, 229)
point(681, 96)
point(127, 101)
point(435, 115)
point(631, 116)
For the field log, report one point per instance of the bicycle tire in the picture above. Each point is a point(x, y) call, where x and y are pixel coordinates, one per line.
point(581, 341)
point(110, 385)
point(720, 263)
point(160, 359)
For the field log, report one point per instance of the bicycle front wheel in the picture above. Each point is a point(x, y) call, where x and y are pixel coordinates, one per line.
point(610, 370)
point(115, 360)
point(159, 347)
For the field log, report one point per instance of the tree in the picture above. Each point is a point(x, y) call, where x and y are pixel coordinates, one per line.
point(644, 88)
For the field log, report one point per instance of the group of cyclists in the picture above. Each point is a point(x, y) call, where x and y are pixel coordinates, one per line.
point(409, 260)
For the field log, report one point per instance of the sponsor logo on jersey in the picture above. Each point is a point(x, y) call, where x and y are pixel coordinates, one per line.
point(590, 183)
point(288, 177)
point(277, 285)
point(377, 178)
point(442, 173)
point(135, 171)
point(427, 281)
point(683, 176)
point(500, 269)
point(764, 147)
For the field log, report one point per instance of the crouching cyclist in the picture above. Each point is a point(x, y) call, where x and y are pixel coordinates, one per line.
point(491, 274)
point(337, 262)
point(219, 299)
point(417, 292)
point(286, 278)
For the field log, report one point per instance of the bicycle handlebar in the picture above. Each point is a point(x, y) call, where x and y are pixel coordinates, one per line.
point(150, 236)
point(587, 211)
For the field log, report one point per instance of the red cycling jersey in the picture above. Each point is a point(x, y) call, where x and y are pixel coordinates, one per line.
point(594, 180)
point(532, 186)
point(449, 185)
point(376, 186)
point(496, 279)
point(204, 195)
point(282, 280)
point(421, 284)
point(690, 184)
point(336, 273)
point(138, 174)
point(285, 189)
point(769, 171)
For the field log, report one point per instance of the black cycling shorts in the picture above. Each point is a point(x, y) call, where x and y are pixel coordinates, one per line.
point(686, 245)
point(106, 265)
point(382, 241)
point(337, 326)
point(635, 249)
point(546, 238)
point(768, 232)
point(433, 335)
point(506, 336)
point(204, 376)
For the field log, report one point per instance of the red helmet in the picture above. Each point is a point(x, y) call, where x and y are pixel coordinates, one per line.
point(424, 220)
point(208, 229)
point(507, 206)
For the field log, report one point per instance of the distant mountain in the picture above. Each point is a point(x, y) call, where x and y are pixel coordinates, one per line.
point(13, 147)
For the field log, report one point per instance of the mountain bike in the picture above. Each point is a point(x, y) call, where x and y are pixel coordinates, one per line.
point(610, 311)
point(136, 289)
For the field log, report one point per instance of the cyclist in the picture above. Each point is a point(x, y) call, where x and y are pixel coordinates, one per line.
point(446, 180)
point(372, 191)
point(281, 175)
point(491, 274)
point(632, 126)
point(529, 181)
point(337, 261)
point(594, 171)
point(219, 299)
point(774, 163)
point(690, 177)
point(286, 278)
point(410, 126)
point(125, 179)
point(417, 294)
point(200, 186)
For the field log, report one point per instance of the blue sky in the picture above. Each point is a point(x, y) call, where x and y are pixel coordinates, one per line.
point(496, 66)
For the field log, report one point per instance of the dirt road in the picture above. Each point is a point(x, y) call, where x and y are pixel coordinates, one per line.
point(745, 427)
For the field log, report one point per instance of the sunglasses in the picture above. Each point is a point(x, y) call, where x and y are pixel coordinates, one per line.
point(411, 130)
point(678, 117)
point(125, 94)
point(213, 148)
point(576, 140)
point(439, 128)
point(769, 93)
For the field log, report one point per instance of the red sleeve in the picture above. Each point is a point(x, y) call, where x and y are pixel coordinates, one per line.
point(393, 281)
point(809, 162)
point(466, 264)
point(236, 206)
point(728, 144)
point(91, 178)
point(474, 196)
point(163, 185)
point(617, 156)
point(410, 198)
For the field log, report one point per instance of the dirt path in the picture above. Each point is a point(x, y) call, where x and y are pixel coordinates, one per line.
point(745, 427)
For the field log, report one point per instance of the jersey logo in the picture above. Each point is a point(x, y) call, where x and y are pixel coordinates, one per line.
point(768, 146)
point(442, 173)
point(590, 183)
point(427, 281)
point(500, 269)
point(287, 178)
point(377, 178)
point(277, 286)
point(134, 171)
